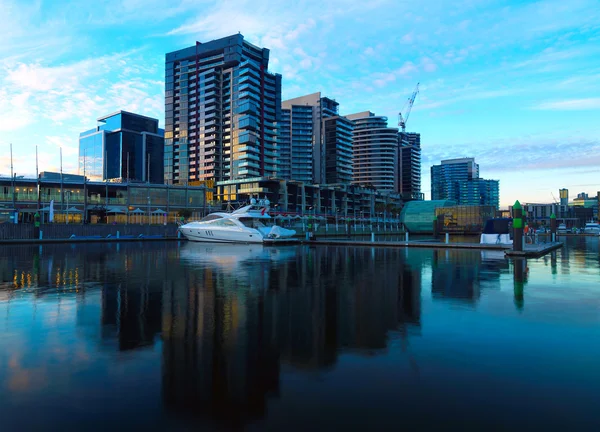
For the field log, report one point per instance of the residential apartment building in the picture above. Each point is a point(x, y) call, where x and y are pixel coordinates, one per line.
point(123, 147)
point(303, 150)
point(375, 152)
point(337, 137)
point(409, 161)
point(222, 109)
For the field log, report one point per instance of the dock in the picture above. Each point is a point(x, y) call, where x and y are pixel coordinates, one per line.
point(530, 251)
point(410, 243)
point(534, 250)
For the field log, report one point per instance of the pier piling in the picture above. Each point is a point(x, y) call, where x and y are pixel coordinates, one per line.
point(517, 227)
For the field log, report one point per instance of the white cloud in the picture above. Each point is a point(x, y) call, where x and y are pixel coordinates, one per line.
point(570, 105)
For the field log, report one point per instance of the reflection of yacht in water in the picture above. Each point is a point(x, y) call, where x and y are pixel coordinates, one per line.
point(230, 256)
point(249, 224)
point(592, 228)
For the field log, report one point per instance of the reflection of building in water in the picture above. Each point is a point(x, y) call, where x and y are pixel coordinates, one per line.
point(230, 318)
point(223, 341)
point(132, 306)
point(455, 274)
point(460, 274)
point(217, 357)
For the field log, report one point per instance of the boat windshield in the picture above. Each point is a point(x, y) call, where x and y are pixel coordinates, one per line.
point(210, 217)
point(252, 222)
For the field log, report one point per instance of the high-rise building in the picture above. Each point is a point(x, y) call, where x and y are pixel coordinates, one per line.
point(458, 180)
point(123, 146)
point(445, 177)
point(375, 152)
point(479, 192)
point(302, 154)
point(409, 160)
point(222, 109)
point(337, 138)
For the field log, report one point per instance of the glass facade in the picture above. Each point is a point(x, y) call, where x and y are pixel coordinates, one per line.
point(222, 110)
point(464, 218)
point(445, 178)
point(418, 216)
point(91, 151)
point(124, 146)
point(479, 192)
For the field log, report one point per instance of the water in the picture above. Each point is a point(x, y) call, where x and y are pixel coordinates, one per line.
point(187, 336)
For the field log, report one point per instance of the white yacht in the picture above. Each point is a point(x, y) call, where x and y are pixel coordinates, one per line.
point(562, 229)
point(592, 228)
point(249, 224)
point(496, 231)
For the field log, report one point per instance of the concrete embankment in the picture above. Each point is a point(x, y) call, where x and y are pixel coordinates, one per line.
point(15, 234)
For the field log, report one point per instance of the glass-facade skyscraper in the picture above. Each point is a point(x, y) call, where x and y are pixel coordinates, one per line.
point(458, 180)
point(123, 146)
point(445, 177)
point(375, 152)
point(479, 192)
point(222, 109)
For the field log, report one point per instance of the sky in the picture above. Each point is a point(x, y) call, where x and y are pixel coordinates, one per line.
point(514, 84)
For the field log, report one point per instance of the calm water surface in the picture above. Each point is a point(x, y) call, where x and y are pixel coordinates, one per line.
point(168, 336)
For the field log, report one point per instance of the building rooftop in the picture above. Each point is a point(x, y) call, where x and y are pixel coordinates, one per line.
point(101, 119)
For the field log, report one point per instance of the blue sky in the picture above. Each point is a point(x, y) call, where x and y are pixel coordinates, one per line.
point(515, 84)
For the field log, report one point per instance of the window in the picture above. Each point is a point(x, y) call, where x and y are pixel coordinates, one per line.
point(210, 217)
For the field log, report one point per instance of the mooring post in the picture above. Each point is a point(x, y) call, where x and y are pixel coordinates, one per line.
point(553, 227)
point(373, 237)
point(517, 227)
point(447, 238)
point(435, 226)
point(406, 236)
point(118, 234)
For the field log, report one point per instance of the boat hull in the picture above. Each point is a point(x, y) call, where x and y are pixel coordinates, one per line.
point(218, 236)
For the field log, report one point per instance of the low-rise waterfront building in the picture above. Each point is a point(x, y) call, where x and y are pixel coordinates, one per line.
point(418, 216)
point(76, 199)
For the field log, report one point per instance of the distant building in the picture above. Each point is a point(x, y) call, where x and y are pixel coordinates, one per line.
point(306, 151)
point(479, 192)
point(564, 196)
point(375, 152)
point(222, 109)
point(445, 177)
point(124, 146)
point(409, 161)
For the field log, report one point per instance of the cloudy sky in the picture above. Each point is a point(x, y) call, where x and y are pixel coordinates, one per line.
point(515, 84)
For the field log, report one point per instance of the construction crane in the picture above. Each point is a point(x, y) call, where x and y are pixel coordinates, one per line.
point(406, 110)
